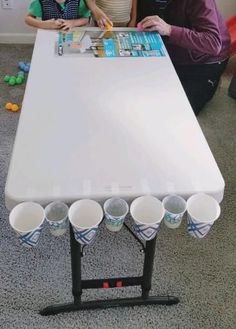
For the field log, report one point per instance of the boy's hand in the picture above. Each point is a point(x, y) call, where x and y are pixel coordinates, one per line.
point(67, 25)
point(52, 24)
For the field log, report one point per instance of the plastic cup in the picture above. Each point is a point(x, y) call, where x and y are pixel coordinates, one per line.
point(175, 207)
point(115, 211)
point(27, 219)
point(85, 216)
point(147, 213)
point(56, 215)
point(203, 210)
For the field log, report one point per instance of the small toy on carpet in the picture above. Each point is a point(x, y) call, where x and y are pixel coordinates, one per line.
point(12, 107)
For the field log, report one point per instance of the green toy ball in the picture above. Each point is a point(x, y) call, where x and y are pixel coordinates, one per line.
point(6, 78)
point(19, 80)
point(12, 81)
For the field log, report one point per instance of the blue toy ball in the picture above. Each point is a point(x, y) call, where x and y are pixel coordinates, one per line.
point(25, 68)
point(20, 65)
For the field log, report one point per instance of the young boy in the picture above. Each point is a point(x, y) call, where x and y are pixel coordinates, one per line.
point(57, 14)
point(114, 12)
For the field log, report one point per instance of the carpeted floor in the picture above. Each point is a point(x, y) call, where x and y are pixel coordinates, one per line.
point(201, 273)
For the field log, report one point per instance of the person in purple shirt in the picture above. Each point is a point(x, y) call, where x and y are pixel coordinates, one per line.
point(197, 41)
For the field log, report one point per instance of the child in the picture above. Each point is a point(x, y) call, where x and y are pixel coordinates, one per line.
point(114, 12)
point(57, 14)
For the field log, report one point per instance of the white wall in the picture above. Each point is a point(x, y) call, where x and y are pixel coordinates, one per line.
point(13, 28)
point(227, 7)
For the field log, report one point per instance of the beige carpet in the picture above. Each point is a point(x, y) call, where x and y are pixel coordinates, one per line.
point(202, 273)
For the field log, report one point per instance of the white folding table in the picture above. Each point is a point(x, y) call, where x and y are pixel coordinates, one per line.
point(101, 127)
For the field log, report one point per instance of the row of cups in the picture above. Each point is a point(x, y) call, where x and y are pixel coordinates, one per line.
point(27, 218)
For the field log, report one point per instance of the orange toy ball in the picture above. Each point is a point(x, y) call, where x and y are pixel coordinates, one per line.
point(15, 107)
point(8, 106)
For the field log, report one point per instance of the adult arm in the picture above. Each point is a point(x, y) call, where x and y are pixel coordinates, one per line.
point(204, 33)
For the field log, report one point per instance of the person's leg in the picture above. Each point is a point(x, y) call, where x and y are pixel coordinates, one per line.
point(200, 82)
point(232, 87)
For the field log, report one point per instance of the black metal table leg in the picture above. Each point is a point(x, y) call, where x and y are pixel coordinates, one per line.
point(78, 284)
point(75, 248)
point(147, 277)
point(148, 267)
point(75, 267)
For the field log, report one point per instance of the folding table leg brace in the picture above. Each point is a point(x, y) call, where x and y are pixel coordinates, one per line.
point(78, 285)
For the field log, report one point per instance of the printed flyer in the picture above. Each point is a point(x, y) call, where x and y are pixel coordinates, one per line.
point(110, 44)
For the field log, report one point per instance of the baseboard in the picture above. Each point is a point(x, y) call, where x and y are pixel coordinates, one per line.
point(17, 38)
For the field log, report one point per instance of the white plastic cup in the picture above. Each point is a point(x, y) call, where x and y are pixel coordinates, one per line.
point(56, 215)
point(27, 219)
point(147, 212)
point(175, 207)
point(85, 216)
point(115, 210)
point(203, 210)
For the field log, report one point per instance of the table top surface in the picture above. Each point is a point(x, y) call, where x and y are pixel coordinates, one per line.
point(100, 127)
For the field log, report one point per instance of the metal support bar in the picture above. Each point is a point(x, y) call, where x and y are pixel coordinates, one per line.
point(112, 282)
point(120, 302)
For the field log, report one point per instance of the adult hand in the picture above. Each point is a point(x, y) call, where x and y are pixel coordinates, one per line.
point(156, 23)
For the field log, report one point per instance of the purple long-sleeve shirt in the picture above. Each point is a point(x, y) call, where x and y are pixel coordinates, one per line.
point(198, 33)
